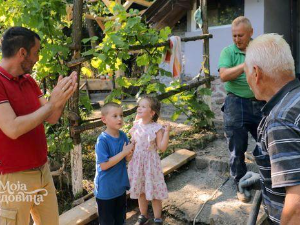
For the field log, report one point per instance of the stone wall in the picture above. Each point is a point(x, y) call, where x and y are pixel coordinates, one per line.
point(218, 97)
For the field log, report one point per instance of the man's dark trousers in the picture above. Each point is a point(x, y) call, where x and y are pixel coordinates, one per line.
point(241, 115)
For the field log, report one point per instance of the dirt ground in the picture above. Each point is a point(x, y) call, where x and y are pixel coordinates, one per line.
point(194, 184)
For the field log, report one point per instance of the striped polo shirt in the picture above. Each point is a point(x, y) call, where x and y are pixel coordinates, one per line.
point(277, 152)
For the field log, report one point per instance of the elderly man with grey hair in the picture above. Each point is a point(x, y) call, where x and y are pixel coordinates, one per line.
point(270, 72)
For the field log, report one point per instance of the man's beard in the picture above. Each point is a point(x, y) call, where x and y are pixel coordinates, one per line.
point(27, 66)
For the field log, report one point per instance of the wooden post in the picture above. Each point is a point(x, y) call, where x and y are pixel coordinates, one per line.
point(76, 153)
point(205, 41)
point(206, 99)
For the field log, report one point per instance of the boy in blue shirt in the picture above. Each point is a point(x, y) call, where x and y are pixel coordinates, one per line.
point(111, 180)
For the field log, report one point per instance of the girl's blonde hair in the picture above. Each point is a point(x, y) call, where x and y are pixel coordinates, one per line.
point(154, 105)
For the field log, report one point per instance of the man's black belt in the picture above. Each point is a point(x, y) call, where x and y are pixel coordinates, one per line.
point(231, 94)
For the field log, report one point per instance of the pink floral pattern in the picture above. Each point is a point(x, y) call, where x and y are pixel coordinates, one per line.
point(144, 169)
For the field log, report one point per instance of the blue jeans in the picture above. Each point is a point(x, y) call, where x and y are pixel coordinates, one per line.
point(241, 115)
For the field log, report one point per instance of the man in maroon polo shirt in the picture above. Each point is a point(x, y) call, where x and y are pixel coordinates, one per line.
point(26, 185)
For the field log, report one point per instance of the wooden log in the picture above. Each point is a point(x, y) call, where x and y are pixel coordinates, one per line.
point(78, 61)
point(167, 43)
point(87, 211)
point(76, 152)
point(206, 41)
point(97, 85)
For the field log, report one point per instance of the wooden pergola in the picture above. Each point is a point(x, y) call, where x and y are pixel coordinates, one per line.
point(76, 125)
point(101, 20)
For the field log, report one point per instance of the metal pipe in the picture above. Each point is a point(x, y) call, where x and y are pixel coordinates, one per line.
point(255, 208)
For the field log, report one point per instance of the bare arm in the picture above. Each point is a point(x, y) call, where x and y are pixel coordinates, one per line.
point(70, 87)
point(14, 126)
point(162, 138)
point(291, 210)
point(227, 74)
point(127, 149)
point(55, 115)
point(129, 157)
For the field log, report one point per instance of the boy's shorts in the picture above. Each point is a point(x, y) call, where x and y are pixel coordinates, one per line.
point(112, 211)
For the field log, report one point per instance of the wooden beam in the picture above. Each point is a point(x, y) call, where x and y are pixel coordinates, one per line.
point(139, 47)
point(143, 3)
point(106, 2)
point(127, 4)
point(97, 84)
point(176, 160)
point(101, 24)
point(105, 19)
point(128, 112)
point(76, 152)
point(87, 211)
point(206, 41)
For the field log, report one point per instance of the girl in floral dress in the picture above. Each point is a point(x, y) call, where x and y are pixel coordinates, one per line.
point(144, 170)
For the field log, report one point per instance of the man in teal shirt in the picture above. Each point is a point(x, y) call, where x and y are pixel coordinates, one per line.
point(242, 112)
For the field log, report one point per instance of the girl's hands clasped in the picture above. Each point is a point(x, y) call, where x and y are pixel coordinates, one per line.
point(128, 148)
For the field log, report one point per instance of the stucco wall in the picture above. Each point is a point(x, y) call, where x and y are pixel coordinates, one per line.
point(254, 10)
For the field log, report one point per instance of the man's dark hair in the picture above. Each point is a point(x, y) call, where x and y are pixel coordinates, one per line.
point(15, 38)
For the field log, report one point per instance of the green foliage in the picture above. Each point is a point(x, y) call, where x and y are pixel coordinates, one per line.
point(127, 31)
point(48, 19)
point(85, 107)
point(58, 136)
point(192, 106)
point(122, 33)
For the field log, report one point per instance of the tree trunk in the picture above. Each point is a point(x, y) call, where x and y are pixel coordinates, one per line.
point(76, 164)
point(76, 153)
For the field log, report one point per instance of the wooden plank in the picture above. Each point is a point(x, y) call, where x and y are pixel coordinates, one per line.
point(106, 2)
point(127, 4)
point(176, 160)
point(97, 85)
point(87, 211)
point(80, 214)
point(100, 24)
point(143, 3)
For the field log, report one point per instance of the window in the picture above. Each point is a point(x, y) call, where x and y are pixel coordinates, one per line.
point(223, 12)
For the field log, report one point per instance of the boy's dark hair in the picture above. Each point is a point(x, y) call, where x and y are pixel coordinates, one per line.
point(107, 106)
point(154, 105)
point(15, 38)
